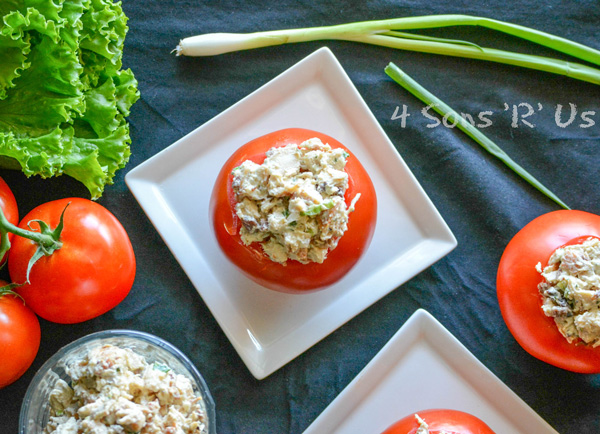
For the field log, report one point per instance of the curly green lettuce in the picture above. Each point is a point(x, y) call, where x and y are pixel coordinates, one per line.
point(64, 97)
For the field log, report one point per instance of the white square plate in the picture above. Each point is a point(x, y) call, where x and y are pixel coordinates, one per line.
point(423, 366)
point(269, 329)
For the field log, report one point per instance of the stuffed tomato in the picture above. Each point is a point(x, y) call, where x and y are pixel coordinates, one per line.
point(439, 421)
point(548, 288)
point(294, 210)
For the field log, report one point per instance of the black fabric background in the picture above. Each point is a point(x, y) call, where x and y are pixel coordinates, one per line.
point(483, 202)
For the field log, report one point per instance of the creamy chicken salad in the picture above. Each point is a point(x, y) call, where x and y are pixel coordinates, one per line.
point(114, 390)
point(293, 203)
point(571, 291)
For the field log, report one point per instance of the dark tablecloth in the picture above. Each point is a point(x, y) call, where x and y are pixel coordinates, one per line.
point(483, 201)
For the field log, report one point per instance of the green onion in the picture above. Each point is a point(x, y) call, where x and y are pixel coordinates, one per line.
point(160, 367)
point(316, 209)
point(312, 210)
point(453, 117)
point(387, 33)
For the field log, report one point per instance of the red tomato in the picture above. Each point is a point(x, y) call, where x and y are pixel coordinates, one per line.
point(90, 274)
point(294, 277)
point(19, 338)
point(519, 298)
point(9, 207)
point(441, 421)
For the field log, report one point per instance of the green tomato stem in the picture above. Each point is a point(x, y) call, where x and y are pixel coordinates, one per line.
point(47, 239)
point(8, 290)
point(43, 239)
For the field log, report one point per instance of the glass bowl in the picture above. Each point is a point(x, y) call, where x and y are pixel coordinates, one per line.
point(35, 410)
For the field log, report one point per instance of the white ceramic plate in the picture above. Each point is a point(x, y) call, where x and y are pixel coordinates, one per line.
point(269, 329)
point(423, 366)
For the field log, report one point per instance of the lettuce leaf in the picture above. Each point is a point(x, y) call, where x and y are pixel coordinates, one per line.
point(64, 98)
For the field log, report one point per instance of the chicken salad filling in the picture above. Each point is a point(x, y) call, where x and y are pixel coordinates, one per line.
point(293, 203)
point(114, 390)
point(571, 291)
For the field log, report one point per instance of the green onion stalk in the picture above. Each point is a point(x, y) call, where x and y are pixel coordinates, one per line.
point(454, 118)
point(389, 33)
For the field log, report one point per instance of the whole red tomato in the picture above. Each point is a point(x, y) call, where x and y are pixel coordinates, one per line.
point(9, 207)
point(518, 295)
point(19, 337)
point(293, 277)
point(441, 421)
point(90, 274)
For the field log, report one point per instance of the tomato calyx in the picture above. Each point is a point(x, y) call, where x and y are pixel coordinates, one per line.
point(8, 290)
point(47, 239)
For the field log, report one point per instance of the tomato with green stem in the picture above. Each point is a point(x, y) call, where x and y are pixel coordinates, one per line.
point(83, 266)
point(517, 288)
point(441, 421)
point(19, 335)
point(293, 277)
